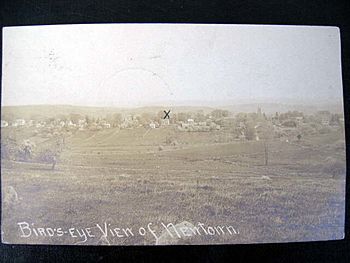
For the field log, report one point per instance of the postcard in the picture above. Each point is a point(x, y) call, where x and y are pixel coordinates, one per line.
point(171, 134)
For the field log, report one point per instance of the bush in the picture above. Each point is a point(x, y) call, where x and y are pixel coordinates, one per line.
point(171, 141)
point(9, 149)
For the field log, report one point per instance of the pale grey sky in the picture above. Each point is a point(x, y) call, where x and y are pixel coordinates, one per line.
point(137, 64)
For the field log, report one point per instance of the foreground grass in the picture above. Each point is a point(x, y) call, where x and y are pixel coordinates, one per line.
point(216, 184)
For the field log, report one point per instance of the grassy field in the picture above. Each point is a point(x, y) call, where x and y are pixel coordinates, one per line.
point(124, 178)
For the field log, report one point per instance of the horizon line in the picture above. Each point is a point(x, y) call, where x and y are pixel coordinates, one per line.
point(181, 104)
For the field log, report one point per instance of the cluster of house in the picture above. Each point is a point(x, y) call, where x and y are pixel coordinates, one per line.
point(161, 123)
point(15, 123)
point(190, 125)
point(293, 125)
point(326, 117)
point(323, 118)
point(80, 124)
point(129, 121)
point(202, 126)
point(280, 126)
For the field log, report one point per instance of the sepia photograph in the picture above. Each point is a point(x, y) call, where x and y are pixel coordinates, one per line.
point(171, 134)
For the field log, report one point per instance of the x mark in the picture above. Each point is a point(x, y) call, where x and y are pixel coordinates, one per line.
point(166, 114)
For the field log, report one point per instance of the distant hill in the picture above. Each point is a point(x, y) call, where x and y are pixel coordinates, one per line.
point(48, 111)
point(271, 108)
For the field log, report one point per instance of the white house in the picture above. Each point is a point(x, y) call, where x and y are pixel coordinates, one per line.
point(19, 122)
point(30, 123)
point(106, 125)
point(81, 122)
point(190, 121)
point(4, 124)
point(164, 122)
point(70, 124)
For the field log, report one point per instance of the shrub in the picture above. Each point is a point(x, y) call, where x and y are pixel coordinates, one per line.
point(171, 141)
point(9, 149)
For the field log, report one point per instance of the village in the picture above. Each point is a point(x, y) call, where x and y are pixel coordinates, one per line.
point(242, 126)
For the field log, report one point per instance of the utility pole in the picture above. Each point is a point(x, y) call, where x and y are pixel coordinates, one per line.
point(266, 153)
